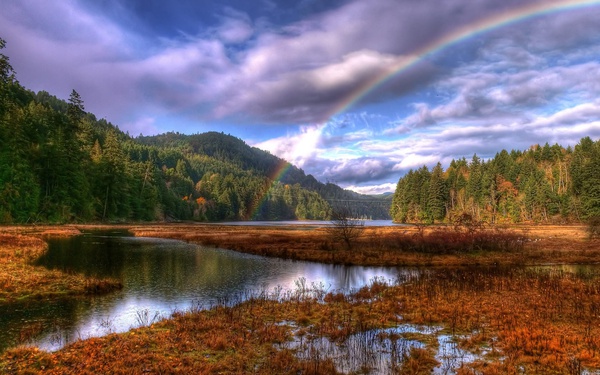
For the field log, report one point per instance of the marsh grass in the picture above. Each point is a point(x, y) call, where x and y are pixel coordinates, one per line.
point(145, 318)
point(464, 321)
point(458, 240)
point(20, 280)
point(495, 320)
point(449, 245)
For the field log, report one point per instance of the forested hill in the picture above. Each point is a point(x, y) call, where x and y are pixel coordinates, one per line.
point(59, 163)
point(235, 151)
point(544, 184)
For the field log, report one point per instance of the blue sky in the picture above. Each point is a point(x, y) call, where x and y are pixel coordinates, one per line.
point(275, 73)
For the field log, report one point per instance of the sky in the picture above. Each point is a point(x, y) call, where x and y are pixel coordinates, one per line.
point(354, 92)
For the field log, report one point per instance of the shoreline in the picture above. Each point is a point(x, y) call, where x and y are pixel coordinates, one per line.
point(21, 280)
point(509, 318)
point(382, 246)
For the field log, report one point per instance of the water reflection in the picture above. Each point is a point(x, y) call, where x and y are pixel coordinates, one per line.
point(159, 277)
point(308, 223)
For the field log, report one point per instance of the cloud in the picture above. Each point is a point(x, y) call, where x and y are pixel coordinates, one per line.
point(359, 170)
point(236, 27)
point(298, 148)
point(560, 32)
point(308, 95)
point(296, 73)
point(487, 97)
point(330, 156)
point(373, 189)
point(310, 69)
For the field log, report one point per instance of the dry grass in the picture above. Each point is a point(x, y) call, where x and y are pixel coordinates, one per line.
point(20, 280)
point(520, 321)
point(545, 321)
point(397, 246)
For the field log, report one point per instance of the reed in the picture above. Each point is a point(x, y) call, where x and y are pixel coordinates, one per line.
point(497, 320)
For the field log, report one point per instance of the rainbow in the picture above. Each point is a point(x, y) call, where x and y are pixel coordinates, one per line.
point(275, 176)
point(462, 33)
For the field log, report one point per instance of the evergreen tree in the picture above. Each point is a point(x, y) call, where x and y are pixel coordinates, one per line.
point(436, 199)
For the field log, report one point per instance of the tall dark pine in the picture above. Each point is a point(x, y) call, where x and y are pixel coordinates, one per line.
point(115, 201)
point(70, 194)
point(6, 71)
point(436, 200)
point(586, 176)
point(75, 110)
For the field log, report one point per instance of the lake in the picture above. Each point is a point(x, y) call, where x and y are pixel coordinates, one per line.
point(160, 277)
point(366, 223)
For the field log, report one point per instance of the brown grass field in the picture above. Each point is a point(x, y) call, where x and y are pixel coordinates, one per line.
point(396, 245)
point(513, 320)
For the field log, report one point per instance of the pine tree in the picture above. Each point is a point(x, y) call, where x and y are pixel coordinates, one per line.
point(436, 200)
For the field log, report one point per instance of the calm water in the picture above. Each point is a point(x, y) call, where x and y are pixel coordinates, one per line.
point(366, 223)
point(159, 277)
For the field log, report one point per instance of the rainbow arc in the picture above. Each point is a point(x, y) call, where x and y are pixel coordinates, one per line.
point(484, 25)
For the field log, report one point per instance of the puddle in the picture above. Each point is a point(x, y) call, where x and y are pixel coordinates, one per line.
point(382, 351)
point(451, 357)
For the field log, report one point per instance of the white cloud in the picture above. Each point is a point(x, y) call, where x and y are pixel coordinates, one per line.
point(373, 189)
point(297, 148)
point(236, 27)
point(578, 114)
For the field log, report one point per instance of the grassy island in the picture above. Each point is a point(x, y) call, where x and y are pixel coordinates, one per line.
point(20, 280)
point(397, 245)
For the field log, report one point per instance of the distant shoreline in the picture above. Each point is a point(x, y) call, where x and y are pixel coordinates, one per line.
point(378, 246)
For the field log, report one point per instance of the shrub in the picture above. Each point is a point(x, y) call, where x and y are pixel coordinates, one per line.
point(345, 227)
point(593, 228)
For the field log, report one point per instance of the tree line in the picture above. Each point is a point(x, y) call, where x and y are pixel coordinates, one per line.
point(544, 184)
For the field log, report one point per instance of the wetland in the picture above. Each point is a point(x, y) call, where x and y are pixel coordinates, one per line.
point(507, 316)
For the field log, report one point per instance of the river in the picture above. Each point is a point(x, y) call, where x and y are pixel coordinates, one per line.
point(159, 277)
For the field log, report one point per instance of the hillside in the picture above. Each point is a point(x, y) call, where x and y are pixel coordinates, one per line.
point(235, 151)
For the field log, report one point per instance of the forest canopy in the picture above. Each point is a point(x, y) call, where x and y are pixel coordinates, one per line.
point(544, 184)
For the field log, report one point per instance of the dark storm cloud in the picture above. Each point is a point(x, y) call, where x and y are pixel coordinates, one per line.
point(356, 171)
